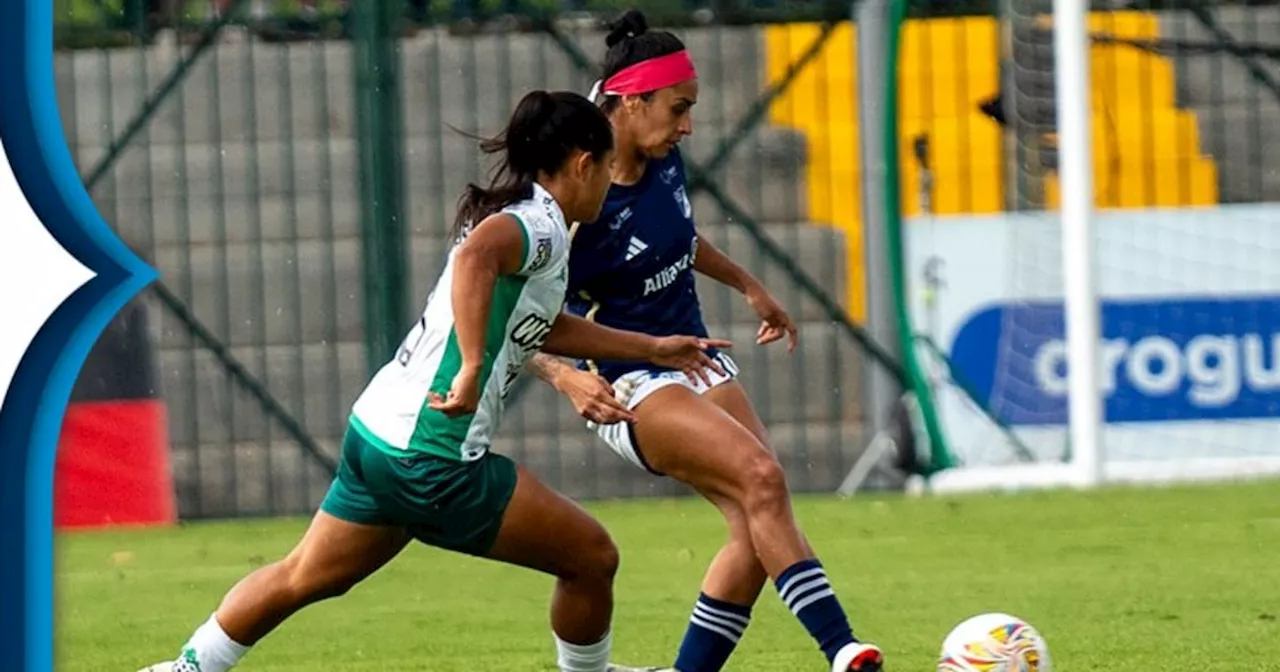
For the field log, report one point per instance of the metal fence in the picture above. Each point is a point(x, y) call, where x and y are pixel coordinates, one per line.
point(292, 174)
point(279, 185)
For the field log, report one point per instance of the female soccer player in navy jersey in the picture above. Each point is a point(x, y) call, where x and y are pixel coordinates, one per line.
point(634, 269)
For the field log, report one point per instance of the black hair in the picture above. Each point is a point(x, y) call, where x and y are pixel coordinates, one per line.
point(630, 42)
point(544, 131)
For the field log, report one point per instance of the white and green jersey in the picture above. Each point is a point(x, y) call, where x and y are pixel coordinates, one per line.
point(392, 411)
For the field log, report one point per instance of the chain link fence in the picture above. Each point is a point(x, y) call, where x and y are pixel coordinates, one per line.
point(231, 156)
point(226, 142)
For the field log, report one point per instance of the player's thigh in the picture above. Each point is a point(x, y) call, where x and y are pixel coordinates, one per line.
point(732, 397)
point(684, 435)
point(546, 531)
point(340, 553)
point(349, 538)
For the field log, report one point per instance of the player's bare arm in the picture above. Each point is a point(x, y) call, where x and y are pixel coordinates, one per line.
point(774, 320)
point(592, 396)
point(493, 249)
point(573, 336)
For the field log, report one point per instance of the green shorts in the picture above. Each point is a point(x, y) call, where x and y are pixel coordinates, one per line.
point(445, 503)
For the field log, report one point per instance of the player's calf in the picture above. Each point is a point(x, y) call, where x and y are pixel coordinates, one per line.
point(799, 577)
point(808, 594)
point(582, 604)
point(714, 629)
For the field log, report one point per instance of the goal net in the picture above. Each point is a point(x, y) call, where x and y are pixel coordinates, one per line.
point(1186, 264)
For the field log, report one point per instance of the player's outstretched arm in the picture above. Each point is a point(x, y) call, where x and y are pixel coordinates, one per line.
point(550, 368)
point(717, 265)
point(774, 320)
point(573, 336)
point(493, 249)
point(591, 395)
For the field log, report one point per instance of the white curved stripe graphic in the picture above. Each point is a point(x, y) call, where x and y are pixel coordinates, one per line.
point(36, 274)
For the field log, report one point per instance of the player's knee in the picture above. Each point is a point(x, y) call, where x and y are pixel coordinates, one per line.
point(308, 584)
point(598, 560)
point(764, 484)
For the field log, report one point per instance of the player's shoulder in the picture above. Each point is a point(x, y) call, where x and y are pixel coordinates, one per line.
point(538, 215)
point(545, 237)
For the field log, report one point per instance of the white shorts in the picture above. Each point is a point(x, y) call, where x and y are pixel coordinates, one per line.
point(633, 388)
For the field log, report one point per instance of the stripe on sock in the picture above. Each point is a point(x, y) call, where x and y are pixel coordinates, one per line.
point(792, 583)
point(800, 591)
point(805, 590)
point(728, 633)
point(724, 619)
point(730, 619)
point(714, 629)
point(812, 597)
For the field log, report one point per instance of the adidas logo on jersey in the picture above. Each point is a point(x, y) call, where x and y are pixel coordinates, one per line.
point(635, 247)
point(620, 219)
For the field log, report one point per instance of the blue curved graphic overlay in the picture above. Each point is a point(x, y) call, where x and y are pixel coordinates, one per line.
point(1163, 359)
point(31, 419)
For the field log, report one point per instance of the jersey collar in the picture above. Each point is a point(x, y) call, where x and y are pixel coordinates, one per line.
point(548, 202)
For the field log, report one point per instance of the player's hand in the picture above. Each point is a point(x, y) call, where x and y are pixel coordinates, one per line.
point(464, 394)
point(593, 398)
point(774, 321)
point(689, 354)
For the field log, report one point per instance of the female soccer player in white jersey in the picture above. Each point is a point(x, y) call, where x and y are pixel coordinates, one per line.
point(415, 460)
point(633, 270)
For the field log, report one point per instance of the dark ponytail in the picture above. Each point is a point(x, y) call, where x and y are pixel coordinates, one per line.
point(544, 131)
point(629, 42)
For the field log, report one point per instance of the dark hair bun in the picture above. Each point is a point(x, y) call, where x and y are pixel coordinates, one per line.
point(629, 25)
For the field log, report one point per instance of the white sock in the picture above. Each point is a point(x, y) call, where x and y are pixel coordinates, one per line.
point(210, 650)
point(582, 657)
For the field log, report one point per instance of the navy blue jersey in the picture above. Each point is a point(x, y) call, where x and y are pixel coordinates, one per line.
point(633, 268)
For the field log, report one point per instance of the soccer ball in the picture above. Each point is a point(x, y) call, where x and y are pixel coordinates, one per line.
point(994, 643)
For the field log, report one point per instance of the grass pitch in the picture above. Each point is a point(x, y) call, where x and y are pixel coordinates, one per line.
point(1134, 580)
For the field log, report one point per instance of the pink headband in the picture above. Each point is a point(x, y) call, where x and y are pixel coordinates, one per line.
point(651, 75)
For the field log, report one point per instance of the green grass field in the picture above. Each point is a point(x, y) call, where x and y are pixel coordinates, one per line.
point(1132, 580)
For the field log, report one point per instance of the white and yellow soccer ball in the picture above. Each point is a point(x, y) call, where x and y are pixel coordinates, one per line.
point(994, 642)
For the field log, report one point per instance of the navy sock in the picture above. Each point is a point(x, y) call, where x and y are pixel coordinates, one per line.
point(806, 592)
point(714, 630)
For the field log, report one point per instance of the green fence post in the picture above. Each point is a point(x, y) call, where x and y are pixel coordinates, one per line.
point(917, 380)
point(384, 245)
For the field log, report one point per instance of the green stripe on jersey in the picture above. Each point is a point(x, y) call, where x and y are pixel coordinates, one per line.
point(524, 233)
point(442, 436)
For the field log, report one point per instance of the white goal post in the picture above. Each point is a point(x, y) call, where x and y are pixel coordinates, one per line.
point(1075, 157)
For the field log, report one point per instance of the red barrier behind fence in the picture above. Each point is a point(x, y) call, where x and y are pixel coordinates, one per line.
point(113, 456)
point(113, 465)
